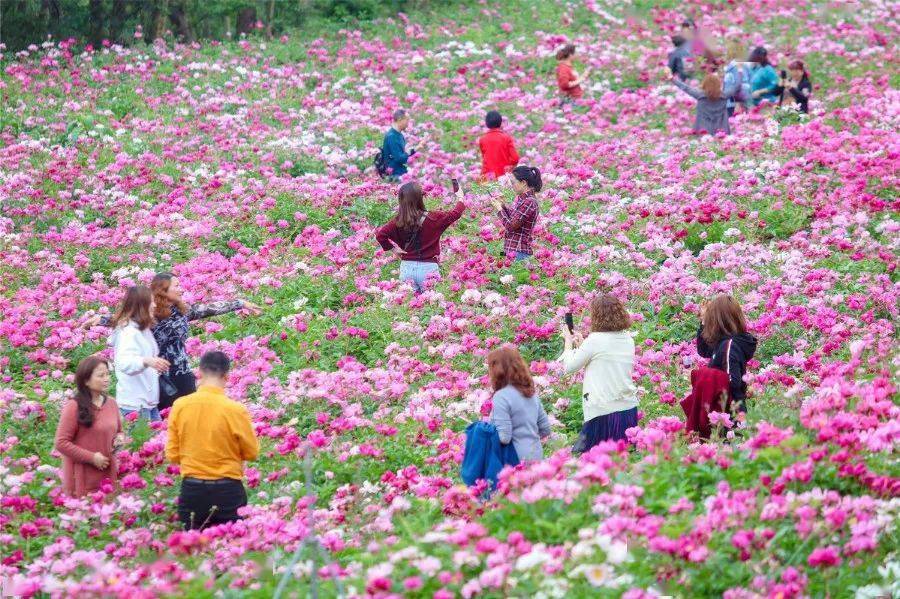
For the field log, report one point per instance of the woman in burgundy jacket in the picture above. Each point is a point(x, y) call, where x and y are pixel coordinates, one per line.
point(414, 234)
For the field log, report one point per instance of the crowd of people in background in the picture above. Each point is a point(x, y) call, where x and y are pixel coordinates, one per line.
point(210, 436)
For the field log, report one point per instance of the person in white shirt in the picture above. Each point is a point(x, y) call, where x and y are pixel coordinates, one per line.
point(609, 396)
point(136, 355)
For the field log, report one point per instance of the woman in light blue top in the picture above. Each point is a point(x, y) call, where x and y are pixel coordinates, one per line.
point(764, 82)
point(517, 413)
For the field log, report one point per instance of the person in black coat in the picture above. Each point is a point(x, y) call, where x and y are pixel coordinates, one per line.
point(724, 340)
point(797, 85)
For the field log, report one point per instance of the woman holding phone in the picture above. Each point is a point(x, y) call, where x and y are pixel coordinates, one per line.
point(609, 396)
point(414, 234)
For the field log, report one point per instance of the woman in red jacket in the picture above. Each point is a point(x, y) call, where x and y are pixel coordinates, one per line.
point(498, 150)
point(414, 234)
point(568, 80)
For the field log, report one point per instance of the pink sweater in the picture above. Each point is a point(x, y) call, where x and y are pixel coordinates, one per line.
point(77, 445)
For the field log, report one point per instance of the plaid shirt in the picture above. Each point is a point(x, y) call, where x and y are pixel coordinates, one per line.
point(518, 223)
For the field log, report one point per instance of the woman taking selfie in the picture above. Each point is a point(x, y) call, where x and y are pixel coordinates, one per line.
point(414, 234)
point(173, 318)
point(89, 428)
point(517, 410)
point(723, 338)
point(519, 220)
point(609, 396)
point(137, 360)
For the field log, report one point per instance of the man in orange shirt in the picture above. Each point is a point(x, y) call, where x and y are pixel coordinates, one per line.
point(498, 150)
point(210, 436)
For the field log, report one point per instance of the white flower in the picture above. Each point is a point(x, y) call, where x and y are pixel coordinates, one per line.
point(530, 560)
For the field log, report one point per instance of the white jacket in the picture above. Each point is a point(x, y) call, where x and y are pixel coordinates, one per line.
point(607, 386)
point(137, 386)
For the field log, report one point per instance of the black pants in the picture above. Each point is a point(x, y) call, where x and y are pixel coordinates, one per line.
point(185, 383)
point(205, 503)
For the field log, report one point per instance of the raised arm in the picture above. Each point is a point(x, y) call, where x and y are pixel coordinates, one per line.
point(574, 360)
point(512, 219)
point(198, 311)
point(694, 93)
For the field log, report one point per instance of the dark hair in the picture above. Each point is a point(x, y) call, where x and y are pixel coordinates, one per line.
point(399, 115)
point(608, 314)
point(565, 52)
point(493, 120)
point(160, 286)
point(83, 397)
point(506, 367)
point(760, 55)
point(723, 318)
point(135, 306)
point(215, 363)
point(797, 65)
point(688, 24)
point(411, 206)
point(677, 40)
point(529, 175)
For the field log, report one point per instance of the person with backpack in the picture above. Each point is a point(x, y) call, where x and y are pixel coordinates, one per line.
point(764, 80)
point(681, 60)
point(609, 395)
point(392, 159)
point(516, 410)
point(737, 73)
point(724, 340)
point(518, 221)
point(712, 111)
point(414, 234)
point(498, 150)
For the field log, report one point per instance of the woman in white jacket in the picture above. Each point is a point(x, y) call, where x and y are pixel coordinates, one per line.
point(136, 355)
point(609, 396)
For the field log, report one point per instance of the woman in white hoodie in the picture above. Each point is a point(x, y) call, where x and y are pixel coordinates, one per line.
point(609, 396)
point(136, 355)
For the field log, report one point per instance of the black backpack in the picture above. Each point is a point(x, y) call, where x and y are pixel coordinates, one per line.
point(380, 165)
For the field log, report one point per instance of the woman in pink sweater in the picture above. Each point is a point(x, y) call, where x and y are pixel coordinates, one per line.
point(89, 428)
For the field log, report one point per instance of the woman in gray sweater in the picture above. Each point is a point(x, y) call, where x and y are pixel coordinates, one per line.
point(712, 103)
point(517, 413)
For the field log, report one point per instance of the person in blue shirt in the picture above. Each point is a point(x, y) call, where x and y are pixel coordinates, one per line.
point(764, 82)
point(394, 147)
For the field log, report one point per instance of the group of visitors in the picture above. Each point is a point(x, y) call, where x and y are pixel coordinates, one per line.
point(742, 79)
point(209, 435)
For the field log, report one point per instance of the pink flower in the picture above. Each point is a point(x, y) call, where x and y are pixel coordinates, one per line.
point(824, 557)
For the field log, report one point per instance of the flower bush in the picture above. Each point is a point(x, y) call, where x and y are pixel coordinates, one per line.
point(245, 168)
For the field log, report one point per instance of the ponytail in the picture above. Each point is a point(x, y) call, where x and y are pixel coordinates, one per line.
point(530, 175)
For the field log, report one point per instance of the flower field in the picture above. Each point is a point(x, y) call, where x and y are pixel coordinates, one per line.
point(245, 168)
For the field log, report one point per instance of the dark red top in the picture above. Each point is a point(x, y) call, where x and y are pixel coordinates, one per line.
point(498, 153)
point(423, 245)
point(564, 76)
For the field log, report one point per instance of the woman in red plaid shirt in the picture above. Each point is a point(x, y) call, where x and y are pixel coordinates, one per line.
point(518, 221)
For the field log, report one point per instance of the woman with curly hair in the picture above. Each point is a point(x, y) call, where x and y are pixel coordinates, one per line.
point(609, 396)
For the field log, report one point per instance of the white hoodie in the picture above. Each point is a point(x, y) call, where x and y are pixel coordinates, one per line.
point(608, 386)
point(137, 386)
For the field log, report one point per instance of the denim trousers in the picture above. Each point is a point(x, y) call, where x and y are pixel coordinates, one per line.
point(521, 256)
point(416, 272)
point(151, 414)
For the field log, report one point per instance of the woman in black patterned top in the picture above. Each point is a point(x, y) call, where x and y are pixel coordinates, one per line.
point(171, 332)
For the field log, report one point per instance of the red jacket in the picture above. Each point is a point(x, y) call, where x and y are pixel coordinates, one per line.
point(498, 153)
point(709, 386)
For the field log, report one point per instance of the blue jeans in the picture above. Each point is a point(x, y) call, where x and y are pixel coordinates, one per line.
point(151, 414)
point(417, 272)
point(521, 256)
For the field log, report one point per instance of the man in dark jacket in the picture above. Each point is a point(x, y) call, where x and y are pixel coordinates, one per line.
point(681, 61)
point(730, 354)
point(394, 147)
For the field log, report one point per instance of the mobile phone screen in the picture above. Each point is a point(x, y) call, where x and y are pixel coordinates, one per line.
point(455, 185)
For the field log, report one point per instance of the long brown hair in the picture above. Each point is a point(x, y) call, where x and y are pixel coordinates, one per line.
point(723, 318)
point(506, 367)
point(608, 314)
point(712, 86)
point(411, 208)
point(135, 306)
point(83, 396)
point(159, 286)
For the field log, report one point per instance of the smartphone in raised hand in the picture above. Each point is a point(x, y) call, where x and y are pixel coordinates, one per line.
point(570, 322)
point(455, 183)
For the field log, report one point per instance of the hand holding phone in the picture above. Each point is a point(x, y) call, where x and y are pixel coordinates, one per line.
point(455, 183)
point(570, 322)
